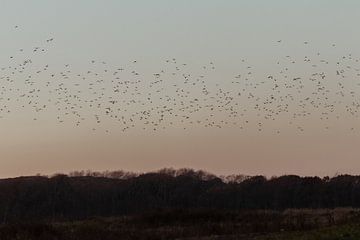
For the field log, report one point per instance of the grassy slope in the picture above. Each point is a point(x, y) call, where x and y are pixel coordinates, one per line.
point(344, 232)
point(186, 226)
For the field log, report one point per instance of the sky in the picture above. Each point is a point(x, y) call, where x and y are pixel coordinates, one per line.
point(232, 34)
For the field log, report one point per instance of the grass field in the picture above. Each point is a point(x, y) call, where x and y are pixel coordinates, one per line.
point(338, 224)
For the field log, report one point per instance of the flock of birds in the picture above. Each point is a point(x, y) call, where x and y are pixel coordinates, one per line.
point(121, 97)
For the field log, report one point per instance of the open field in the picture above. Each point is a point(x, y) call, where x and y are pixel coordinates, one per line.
point(199, 224)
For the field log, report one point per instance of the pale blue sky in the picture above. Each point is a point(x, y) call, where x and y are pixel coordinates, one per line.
point(198, 30)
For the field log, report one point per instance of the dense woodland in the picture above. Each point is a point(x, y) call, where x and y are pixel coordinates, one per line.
point(81, 195)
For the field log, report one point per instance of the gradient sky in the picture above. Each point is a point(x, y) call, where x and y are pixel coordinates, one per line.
point(195, 32)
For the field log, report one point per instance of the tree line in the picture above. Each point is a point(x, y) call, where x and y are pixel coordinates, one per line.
point(80, 195)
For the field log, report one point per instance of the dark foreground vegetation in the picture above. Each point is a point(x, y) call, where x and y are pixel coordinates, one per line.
point(340, 224)
point(178, 204)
